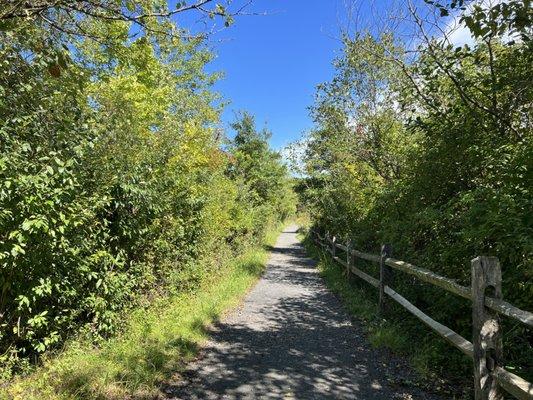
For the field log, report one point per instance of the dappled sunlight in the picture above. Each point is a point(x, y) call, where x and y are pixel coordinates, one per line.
point(290, 339)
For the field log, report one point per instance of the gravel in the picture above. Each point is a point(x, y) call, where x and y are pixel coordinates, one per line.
point(292, 339)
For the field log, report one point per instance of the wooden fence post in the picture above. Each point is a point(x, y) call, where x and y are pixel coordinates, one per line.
point(348, 257)
point(487, 335)
point(385, 275)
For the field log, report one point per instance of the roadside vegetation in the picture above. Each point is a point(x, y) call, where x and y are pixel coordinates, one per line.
point(429, 147)
point(122, 201)
point(154, 345)
point(396, 333)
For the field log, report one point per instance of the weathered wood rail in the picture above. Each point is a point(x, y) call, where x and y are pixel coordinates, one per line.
point(486, 347)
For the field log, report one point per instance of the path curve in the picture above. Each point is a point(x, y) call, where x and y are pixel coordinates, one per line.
point(291, 339)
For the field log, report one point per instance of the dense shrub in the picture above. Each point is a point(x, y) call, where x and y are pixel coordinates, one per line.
point(114, 182)
point(433, 156)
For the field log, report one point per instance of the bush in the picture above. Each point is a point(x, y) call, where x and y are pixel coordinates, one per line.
point(113, 181)
point(432, 156)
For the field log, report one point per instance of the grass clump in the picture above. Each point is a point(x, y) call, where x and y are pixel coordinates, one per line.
point(156, 342)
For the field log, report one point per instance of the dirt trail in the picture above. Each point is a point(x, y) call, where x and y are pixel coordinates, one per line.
point(291, 339)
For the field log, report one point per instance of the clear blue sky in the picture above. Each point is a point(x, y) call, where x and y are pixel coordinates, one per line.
point(272, 63)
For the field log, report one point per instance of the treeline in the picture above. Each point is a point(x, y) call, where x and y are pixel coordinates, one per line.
point(431, 150)
point(115, 183)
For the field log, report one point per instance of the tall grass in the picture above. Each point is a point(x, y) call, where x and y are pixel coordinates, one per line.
point(156, 342)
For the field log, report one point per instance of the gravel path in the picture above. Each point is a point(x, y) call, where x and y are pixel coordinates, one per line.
point(292, 339)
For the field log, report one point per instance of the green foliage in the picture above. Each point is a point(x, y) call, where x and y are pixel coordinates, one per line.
point(396, 334)
point(113, 183)
point(68, 18)
point(156, 343)
point(266, 187)
point(445, 177)
point(505, 18)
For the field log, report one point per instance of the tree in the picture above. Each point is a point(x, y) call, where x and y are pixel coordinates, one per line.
point(360, 145)
point(260, 169)
point(113, 185)
point(440, 167)
point(67, 18)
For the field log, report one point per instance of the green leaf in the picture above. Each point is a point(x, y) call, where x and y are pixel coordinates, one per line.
point(130, 5)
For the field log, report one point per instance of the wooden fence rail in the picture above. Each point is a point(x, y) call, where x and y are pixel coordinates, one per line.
point(486, 346)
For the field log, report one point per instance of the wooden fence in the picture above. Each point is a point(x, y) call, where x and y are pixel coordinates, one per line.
point(486, 347)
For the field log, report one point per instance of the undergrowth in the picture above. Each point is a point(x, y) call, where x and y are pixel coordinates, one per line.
point(156, 342)
point(397, 331)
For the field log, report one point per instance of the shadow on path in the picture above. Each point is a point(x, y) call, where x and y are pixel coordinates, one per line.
point(291, 339)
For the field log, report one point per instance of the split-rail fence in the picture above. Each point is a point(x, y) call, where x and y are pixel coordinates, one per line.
point(485, 292)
